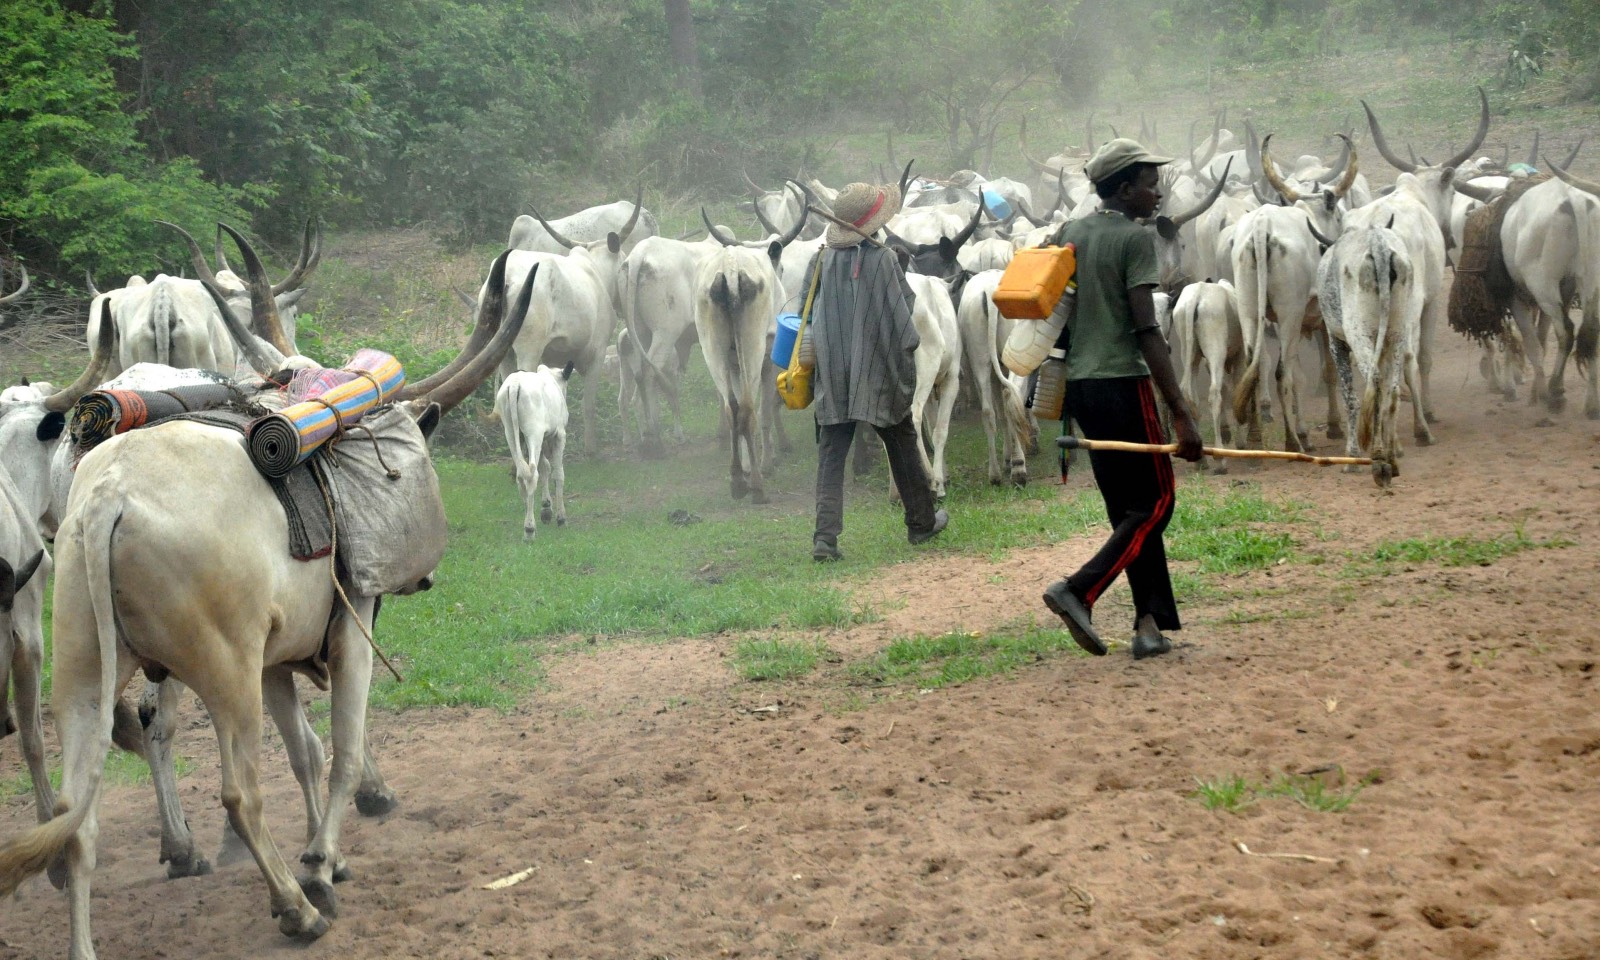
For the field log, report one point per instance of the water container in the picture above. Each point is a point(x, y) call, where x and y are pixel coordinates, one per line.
point(1033, 282)
point(1030, 341)
point(1050, 388)
point(998, 205)
point(783, 343)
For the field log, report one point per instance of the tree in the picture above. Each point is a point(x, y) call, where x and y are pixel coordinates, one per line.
point(685, 47)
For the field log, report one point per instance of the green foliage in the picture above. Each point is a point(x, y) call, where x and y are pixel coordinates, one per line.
point(73, 173)
point(776, 659)
point(1232, 793)
point(952, 659)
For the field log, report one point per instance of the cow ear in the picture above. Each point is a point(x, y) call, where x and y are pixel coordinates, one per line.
point(1167, 229)
point(904, 256)
point(775, 252)
point(50, 427)
point(429, 420)
point(613, 242)
point(8, 586)
point(1329, 200)
point(947, 248)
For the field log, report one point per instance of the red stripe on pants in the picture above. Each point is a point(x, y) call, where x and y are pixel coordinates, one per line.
point(1164, 479)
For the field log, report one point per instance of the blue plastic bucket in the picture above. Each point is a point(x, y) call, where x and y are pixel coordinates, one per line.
point(783, 344)
point(998, 205)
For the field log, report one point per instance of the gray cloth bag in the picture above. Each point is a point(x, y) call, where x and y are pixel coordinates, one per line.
point(391, 521)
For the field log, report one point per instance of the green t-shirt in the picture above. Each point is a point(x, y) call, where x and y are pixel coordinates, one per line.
point(1114, 255)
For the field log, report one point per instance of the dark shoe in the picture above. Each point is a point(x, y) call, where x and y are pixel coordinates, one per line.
point(941, 519)
point(1144, 646)
point(1072, 611)
point(824, 552)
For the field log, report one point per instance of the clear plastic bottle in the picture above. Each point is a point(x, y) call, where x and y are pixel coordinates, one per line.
point(1050, 390)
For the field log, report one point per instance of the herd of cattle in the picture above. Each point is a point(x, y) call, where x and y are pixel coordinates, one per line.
point(1303, 255)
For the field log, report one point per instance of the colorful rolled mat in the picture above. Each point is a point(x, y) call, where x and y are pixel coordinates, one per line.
point(103, 414)
point(329, 399)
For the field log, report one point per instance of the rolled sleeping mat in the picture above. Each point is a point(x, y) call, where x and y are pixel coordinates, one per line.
point(102, 414)
point(336, 399)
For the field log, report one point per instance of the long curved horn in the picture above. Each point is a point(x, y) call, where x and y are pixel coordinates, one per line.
point(972, 225)
point(1574, 154)
point(755, 190)
point(1270, 170)
point(262, 357)
point(766, 224)
point(633, 221)
point(99, 356)
point(263, 308)
point(221, 257)
point(16, 294)
point(310, 257)
point(201, 268)
point(721, 237)
point(799, 225)
point(1345, 147)
point(1037, 164)
point(1477, 138)
point(1088, 132)
point(1587, 186)
point(1383, 144)
point(905, 178)
point(1533, 151)
point(485, 323)
point(88, 278)
point(1351, 165)
point(1061, 193)
point(1252, 151)
point(1206, 203)
point(554, 233)
point(1480, 194)
point(460, 386)
point(1317, 234)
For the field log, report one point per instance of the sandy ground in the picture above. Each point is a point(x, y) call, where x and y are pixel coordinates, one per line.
point(666, 814)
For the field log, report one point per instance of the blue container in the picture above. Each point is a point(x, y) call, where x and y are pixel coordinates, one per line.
point(998, 205)
point(783, 344)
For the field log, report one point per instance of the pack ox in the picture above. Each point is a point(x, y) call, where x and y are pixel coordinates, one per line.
point(174, 558)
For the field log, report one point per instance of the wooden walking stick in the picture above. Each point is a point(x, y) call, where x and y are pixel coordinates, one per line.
point(1070, 442)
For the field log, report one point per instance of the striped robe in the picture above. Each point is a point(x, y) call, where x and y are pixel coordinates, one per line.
point(864, 337)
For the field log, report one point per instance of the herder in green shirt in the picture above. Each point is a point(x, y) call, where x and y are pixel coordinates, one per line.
point(1115, 351)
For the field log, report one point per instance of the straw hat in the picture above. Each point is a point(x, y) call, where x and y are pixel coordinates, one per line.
point(866, 205)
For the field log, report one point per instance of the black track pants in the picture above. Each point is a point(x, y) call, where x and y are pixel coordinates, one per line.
point(900, 443)
point(1138, 489)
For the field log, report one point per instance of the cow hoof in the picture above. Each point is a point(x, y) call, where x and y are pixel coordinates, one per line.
point(321, 895)
point(528, 534)
point(739, 488)
point(1019, 480)
point(1382, 473)
point(561, 521)
point(1221, 469)
point(178, 868)
point(758, 497)
point(1423, 439)
point(376, 803)
point(290, 925)
point(1335, 432)
point(342, 874)
point(1428, 416)
point(546, 514)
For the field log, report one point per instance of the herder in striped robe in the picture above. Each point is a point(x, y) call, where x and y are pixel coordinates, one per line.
point(861, 327)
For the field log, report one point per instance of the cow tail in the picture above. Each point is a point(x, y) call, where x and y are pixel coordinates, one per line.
point(1384, 358)
point(630, 313)
point(514, 438)
point(1185, 331)
point(32, 852)
point(1587, 344)
point(1244, 397)
point(1011, 403)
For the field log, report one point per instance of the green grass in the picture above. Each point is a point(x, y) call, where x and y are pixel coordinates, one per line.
point(776, 659)
point(122, 769)
point(1222, 530)
point(1390, 555)
point(1233, 793)
point(951, 659)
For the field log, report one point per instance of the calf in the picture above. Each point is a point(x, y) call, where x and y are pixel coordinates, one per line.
point(532, 406)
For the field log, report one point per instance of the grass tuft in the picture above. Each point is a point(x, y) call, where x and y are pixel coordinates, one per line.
point(777, 659)
point(1390, 555)
point(1234, 793)
point(951, 659)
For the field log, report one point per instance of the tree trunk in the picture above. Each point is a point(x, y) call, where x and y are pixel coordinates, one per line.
point(681, 38)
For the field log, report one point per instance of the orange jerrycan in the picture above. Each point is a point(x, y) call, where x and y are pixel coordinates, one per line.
point(1034, 281)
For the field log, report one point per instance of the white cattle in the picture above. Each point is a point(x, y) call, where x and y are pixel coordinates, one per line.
point(1274, 269)
point(26, 392)
point(532, 406)
point(980, 255)
point(1418, 210)
point(1206, 330)
point(938, 363)
point(586, 226)
point(737, 293)
point(196, 543)
point(983, 334)
point(656, 288)
point(1551, 239)
point(1372, 309)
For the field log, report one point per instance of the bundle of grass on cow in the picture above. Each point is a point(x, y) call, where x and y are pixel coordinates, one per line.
point(1480, 297)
